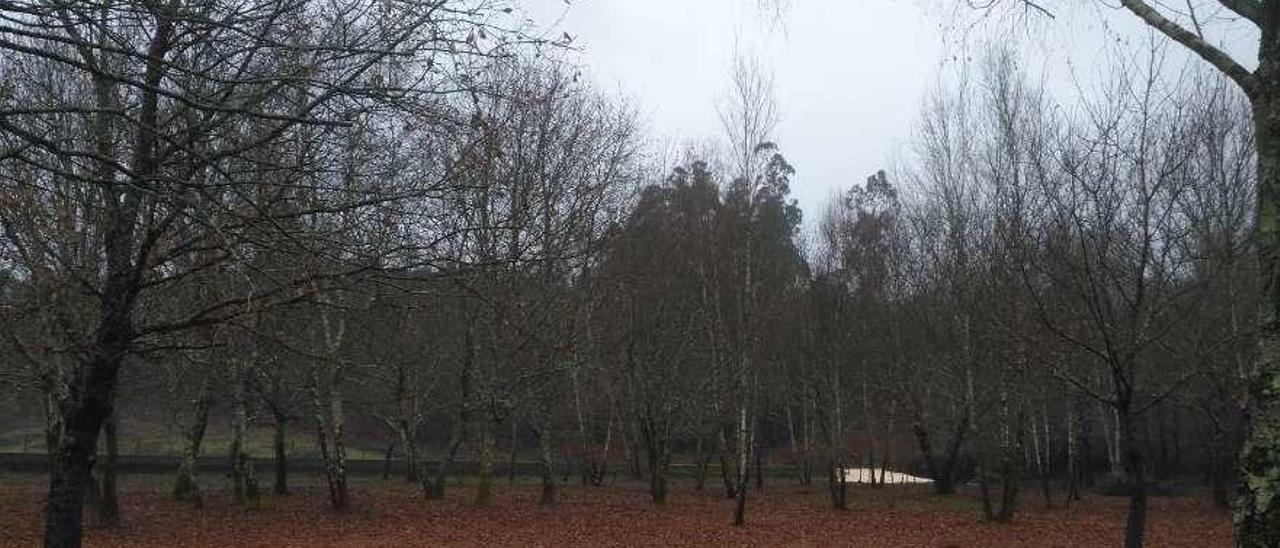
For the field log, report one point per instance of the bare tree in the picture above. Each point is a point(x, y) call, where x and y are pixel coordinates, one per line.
point(156, 103)
point(1255, 517)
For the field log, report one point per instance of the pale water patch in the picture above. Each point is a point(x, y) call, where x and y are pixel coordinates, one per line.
point(866, 475)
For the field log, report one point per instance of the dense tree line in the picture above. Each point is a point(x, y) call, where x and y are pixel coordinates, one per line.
point(413, 218)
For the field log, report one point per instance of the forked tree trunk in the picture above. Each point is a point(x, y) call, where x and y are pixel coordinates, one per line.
point(943, 475)
point(434, 487)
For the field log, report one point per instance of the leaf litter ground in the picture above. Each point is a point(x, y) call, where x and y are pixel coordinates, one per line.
point(392, 513)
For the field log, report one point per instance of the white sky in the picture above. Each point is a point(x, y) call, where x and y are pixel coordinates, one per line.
point(851, 75)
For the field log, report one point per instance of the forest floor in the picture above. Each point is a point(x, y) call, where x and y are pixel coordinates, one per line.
point(392, 513)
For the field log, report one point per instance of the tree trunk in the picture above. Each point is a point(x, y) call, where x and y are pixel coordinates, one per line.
point(1135, 470)
point(633, 456)
point(658, 475)
point(988, 513)
point(1164, 468)
point(726, 472)
point(1046, 469)
point(187, 486)
point(71, 464)
point(239, 457)
point(410, 443)
point(1221, 500)
point(1086, 450)
point(947, 482)
point(92, 388)
point(1257, 516)
point(330, 417)
point(656, 450)
point(511, 458)
point(837, 484)
point(744, 470)
point(387, 457)
point(484, 486)
point(926, 451)
point(944, 475)
point(433, 488)
point(1073, 465)
point(69, 481)
point(1176, 440)
point(1011, 472)
point(759, 467)
point(1111, 436)
point(281, 458)
point(703, 462)
point(801, 456)
point(547, 455)
point(333, 450)
point(109, 503)
point(740, 506)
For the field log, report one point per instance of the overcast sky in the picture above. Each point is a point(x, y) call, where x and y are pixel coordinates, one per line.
point(851, 75)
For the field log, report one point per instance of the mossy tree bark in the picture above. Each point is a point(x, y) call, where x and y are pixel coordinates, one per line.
point(1257, 515)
